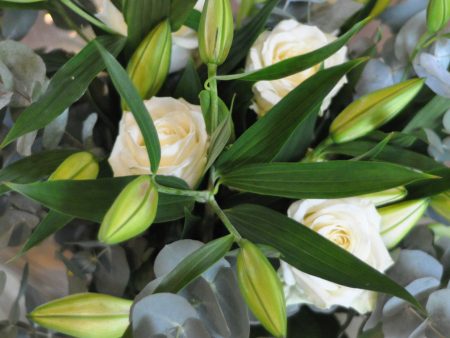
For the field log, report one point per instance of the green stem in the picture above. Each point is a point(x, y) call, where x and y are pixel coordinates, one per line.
point(212, 72)
point(219, 212)
point(199, 196)
point(70, 22)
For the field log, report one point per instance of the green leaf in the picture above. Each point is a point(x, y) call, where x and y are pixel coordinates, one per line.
point(334, 179)
point(91, 199)
point(195, 264)
point(66, 87)
point(189, 85)
point(309, 252)
point(246, 36)
point(131, 96)
point(33, 168)
point(53, 222)
point(141, 16)
point(296, 64)
point(264, 139)
point(179, 12)
point(420, 190)
point(389, 153)
point(427, 116)
point(193, 20)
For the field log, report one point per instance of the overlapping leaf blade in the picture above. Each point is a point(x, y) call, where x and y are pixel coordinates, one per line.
point(128, 92)
point(66, 87)
point(264, 139)
point(309, 252)
point(91, 199)
point(334, 179)
point(195, 264)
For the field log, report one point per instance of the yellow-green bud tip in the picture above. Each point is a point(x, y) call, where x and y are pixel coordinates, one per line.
point(79, 166)
point(132, 212)
point(438, 15)
point(215, 34)
point(261, 288)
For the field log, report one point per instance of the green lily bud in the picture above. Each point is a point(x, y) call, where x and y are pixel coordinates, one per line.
point(261, 288)
point(438, 14)
point(441, 204)
point(386, 196)
point(373, 110)
point(215, 33)
point(132, 212)
point(87, 315)
point(150, 63)
point(79, 166)
point(398, 219)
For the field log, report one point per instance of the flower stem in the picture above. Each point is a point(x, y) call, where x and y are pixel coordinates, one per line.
point(230, 227)
point(212, 72)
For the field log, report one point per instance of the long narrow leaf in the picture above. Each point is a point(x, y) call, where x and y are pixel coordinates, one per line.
point(131, 96)
point(195, 264)
point(264, 139)
point(66, 87)
point(91, 199)
point(332, 179)
point(310, 252)
point(297, 63)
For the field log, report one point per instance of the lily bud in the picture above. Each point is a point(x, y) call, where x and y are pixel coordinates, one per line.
point(87, 315)
point(215, 33)
point(398, 219)
point(79, 166)
point(386, 196)
point(441, 204)
point(438, 14)
point(132, 212)
point(149, 65)
point(261, 288)
point(373, 110)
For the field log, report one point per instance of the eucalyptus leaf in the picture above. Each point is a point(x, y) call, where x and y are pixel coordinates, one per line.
point(309, 252)
point(17, 23)
point(66, 87)
point(91, 199)
point(264, 139)
point(333, 179)
point(129, 93)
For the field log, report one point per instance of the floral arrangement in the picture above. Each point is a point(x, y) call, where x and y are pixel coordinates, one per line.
point(225, 168)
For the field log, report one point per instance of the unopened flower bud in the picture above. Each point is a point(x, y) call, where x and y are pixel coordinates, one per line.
point(261, 288)
point(149, 65)
point(398, 219)
point(79, 166)
point(438, 14)
point(215, 33)
point(386, 196)
point(441, 204)
point(373, 110)
point(87, 315)
point(132, 212)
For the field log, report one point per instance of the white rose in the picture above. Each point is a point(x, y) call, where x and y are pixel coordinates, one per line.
point(289, 38)
point(182, 135)
point(111, 16)
point(354, 225)
point(184, 44)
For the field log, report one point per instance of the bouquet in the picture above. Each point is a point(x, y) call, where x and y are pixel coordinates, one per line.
point(225, 168)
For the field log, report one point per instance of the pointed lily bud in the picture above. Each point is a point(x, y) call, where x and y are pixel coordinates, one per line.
point(132, 212)
point(149, 65)
point(87, 315)
point(261, 288)
point(441, 204)
point(373, 110)
point(215, 33)
point(386, 196)
point(438, 15)
point(79, 166)
point(398, 219)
